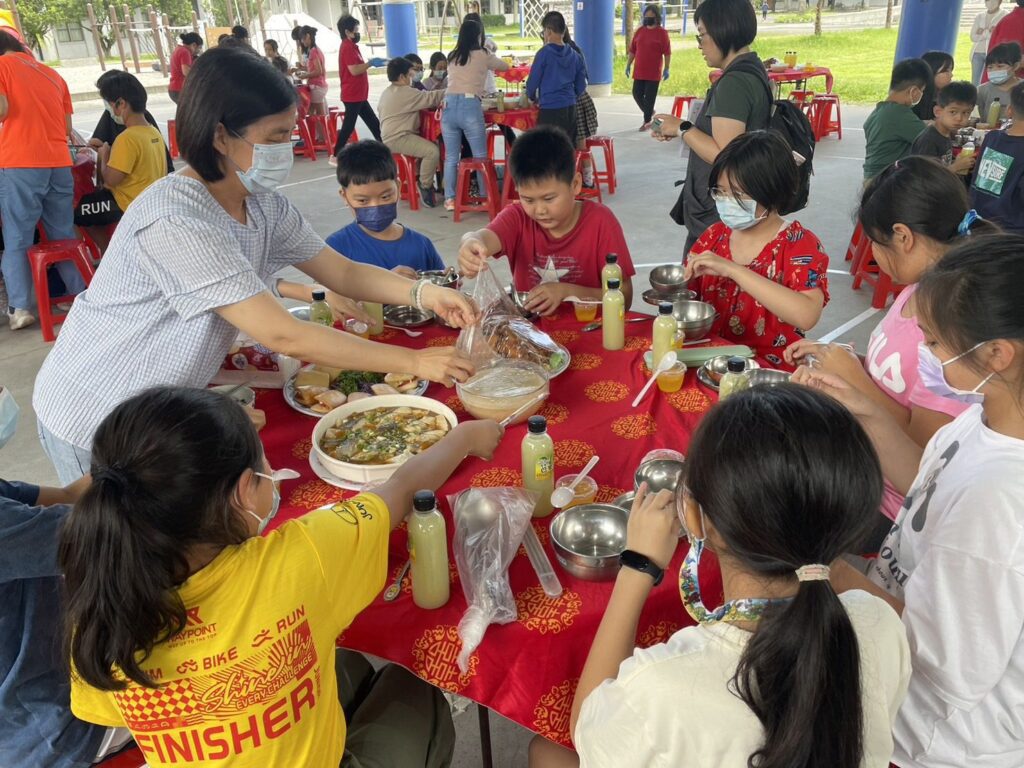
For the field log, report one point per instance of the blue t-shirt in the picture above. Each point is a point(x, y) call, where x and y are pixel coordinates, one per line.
point(997, 191)
point(35, 693)
point(410, 250)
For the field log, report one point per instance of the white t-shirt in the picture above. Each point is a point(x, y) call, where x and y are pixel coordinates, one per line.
point(956, 558)
point(671, 705)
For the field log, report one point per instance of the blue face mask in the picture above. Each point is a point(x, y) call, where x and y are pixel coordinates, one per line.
point(737, 215)
point(377, 218)
point(933, 376)
point(277, 477)
point(8, 416)
point(271, 164)
point(120, 120)
point(998, 76)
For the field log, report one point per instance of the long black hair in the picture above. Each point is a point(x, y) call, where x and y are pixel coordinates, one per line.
point(470, 34)
point(761, 164)
point(938, 62)
point(788, 478)
point(165, 464)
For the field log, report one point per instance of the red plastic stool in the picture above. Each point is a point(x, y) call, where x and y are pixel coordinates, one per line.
point(607, 145)
point(865, 270)
point(509, 193)
point(494, 133)
point(821, 116)
point(408, 179)
point(464, 202)
point(302, 132)
point(310, 124)
point(42, 256)
point(681, 104)
point(172, 139)
point(587, 193)
point(858, 243)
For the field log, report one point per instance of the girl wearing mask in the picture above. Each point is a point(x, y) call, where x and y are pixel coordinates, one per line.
point(913, 212)
point(187, 270)
point(649, 57)
point(786, 672)
point(953, 563)
point(765, 276)
point(981, 34)
point(438, 78)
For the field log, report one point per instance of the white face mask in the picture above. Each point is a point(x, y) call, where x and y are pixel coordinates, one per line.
point(8, 416)
point(932, 373)
point(275, 478)
point(271, 165)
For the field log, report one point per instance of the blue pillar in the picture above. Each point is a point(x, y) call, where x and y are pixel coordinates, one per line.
point(593, 25)
point(400, 27)
point(928, 25)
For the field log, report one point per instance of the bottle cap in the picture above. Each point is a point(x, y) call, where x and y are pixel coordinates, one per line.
point(424, 501)
point(613, 284)
point(611, 258)
point(319, 295)
point(665, 308)
point(736, 365)
point(537, 425)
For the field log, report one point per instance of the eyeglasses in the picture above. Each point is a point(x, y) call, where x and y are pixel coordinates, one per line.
point(720, 194)
point(700, 40)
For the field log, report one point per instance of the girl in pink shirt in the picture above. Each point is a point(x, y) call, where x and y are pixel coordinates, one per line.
point(912, 212)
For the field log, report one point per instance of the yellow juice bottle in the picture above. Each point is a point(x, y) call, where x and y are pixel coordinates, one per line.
point(319, 311)
point(663, 336)
point(538, 452)
point(613, 317)
point(428, 552)
point(611, 270)
point(736, 378)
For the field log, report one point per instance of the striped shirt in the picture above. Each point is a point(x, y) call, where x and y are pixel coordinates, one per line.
point(148, 318)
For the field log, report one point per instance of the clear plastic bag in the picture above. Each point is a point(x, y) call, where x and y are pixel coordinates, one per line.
point(489, 527)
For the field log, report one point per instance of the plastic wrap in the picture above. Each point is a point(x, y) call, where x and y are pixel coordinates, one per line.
point(489, 527)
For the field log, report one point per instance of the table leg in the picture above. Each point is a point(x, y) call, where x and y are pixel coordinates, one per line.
point(484, 716)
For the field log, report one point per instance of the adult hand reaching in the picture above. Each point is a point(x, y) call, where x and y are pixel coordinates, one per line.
point(664, 75)
point(445, 365)
point(857, 403)
point(668, 128)
point(344, 308)
point(454, 307)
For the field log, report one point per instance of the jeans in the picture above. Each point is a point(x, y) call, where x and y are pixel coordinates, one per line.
point(644, 94)
point(354, 110)
point(977, 68)
point(463, 115)
point(70, 461)
point(26, 196)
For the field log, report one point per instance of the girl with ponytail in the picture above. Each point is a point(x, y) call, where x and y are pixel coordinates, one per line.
point(912, 212)
point(786, 674)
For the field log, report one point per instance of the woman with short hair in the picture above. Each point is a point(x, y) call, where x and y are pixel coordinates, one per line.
point(182, 59)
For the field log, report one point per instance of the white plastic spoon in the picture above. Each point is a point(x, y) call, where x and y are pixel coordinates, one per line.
point(406, 331)
point(563, 496)
point(664, 365)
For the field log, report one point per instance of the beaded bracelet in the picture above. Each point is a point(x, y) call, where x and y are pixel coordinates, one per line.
point(417, 300)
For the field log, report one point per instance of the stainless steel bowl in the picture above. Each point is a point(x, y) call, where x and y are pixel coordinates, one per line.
point(654, 298)
point(300, 313)
point(625, 501)
point(446, 278)
point(668, 278)
point(694, 318)
point(717, 366)
point(588, 540)
point(519, 299)
point(406, 317)
point(766, 377)
point(659, 474)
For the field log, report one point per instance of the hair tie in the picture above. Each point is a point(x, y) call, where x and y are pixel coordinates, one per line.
point(113, 474)
point(816, 572)
point(964, 230)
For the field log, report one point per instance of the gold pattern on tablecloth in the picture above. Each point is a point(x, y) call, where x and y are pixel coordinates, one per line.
point(442, 341)
point(539, 613)
point(659, 632)
point(607, 494)
point(689, 401)
point(637, 343)
point(554, 413)
point(585, 361)
point(302, 448)
point(496, 477)
point(572, 454)
point(455, 404)
point(606, 391)
point(313, 495)
point(433, 658)
point(635, 426)
point(542, 532)
point(406, 582)
point(552, 713)
point(565, 338)
point(386, 335)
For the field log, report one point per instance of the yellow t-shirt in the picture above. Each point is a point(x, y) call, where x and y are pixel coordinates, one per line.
point(250, 681)
point(139, 152)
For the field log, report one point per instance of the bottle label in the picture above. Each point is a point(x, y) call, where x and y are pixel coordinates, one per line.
point(544, 468)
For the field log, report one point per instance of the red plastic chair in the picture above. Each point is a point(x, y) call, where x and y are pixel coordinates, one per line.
point(587, 193)
point(494, 133)
point(467, 203)
point(680, 104)
point(408, 179)
point(865, 270)
point(509, 193)
point(327, 125)
point(607, 146)
point(821, 116)
point(42, 256)
point(172, 139)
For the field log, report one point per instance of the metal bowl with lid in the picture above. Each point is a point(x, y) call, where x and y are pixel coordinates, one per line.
point(668, 278)
point(588, 540)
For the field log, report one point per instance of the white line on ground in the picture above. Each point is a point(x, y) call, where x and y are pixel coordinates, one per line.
point(867, 314)
point(306, 181)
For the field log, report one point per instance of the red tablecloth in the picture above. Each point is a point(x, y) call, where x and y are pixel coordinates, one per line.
point(515, 74)
point(519, 119)
point(526, 670)
point(790, 76)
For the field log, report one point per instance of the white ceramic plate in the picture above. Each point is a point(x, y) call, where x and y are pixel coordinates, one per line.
point(289, 394)
point(320, 471)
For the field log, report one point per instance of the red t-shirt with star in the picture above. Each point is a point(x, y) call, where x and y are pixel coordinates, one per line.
point(577, 257)
point(795, 259)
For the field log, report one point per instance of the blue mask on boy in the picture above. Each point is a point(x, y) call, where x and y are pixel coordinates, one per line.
point(377, 218)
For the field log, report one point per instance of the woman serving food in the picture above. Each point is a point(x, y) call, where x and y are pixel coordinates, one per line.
point(188, 268)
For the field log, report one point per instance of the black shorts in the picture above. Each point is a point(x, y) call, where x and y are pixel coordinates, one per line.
point(97, 209)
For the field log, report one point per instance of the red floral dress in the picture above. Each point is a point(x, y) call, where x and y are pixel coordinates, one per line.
point(794, 259)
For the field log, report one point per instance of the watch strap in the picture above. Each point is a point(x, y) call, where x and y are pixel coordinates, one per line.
point(642, 563)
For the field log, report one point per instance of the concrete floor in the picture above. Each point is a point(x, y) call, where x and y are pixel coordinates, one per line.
point(646, 173)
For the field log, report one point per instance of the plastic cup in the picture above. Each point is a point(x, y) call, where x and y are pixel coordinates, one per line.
point(672, 379)
point(585, 312)
point(584, 493)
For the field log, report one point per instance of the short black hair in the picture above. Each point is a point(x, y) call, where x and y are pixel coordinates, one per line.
point(414, 58)
point(347, 24)
point(436, 58)
point(365, 162)
point(10, 44)
point(732, 24)
point(280, 63)
point(240, 32)
point(397, 67)
point(222, 38)
point(1017, 101)
point(653, 9)
point(231, 86)
point(761, 164)
point(118, 84)
point(297, 32)
point(959, 92)
point(190, 38)
point(910, 73)
point(1006, 53)
point(554, 21)
point(542, 153)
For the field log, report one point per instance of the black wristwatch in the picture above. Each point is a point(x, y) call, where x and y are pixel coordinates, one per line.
point(685, 126)
point(642, 563)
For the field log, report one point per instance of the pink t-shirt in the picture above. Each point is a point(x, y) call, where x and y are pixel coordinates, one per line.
point(316, 56)
point(892, 364)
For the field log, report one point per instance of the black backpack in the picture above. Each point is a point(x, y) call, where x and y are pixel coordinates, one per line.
point(788, 120)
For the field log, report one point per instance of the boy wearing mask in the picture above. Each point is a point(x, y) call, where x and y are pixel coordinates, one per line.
point(1001, 65)
point(892, 128)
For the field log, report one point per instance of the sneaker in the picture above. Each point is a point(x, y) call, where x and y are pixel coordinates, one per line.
point(449, 204)
point(427, 196)
point(20, 318)
point(332, 161)
point(588, 184)
point(645, 127)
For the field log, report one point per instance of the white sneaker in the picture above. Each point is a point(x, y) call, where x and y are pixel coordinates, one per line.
point(449, 204)
point(20, 318)
point(332, 161)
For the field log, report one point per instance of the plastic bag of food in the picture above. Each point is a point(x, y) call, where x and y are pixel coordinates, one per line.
point(489, 527)
point(503, 333)
point(663, 454)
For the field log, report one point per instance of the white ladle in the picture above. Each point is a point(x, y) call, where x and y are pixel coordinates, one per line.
point(664, 365)
point(563, 496)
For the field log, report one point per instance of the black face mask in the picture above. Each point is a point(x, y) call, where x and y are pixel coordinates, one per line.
point(355, 37)
point(649, 22)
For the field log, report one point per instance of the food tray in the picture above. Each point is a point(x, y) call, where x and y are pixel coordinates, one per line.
point(289, 394)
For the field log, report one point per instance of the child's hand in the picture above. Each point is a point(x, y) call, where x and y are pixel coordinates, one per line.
point(483, 437)
point(700, 264)
point(405, 272)
point(344, 308)
point(653, 527)
point(473, 255)
point(545, 298)
point(835, 359)
point(796, 352)
point(963, 164)
point(856, 402)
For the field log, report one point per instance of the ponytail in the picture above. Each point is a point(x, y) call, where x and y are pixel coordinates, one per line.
point(165, 466)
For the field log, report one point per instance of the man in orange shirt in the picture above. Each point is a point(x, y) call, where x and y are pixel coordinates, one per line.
point(35, 171)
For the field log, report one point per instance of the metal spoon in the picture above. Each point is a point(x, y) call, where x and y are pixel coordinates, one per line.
point(406, 331)
point(597, 324)
point(395, 589)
